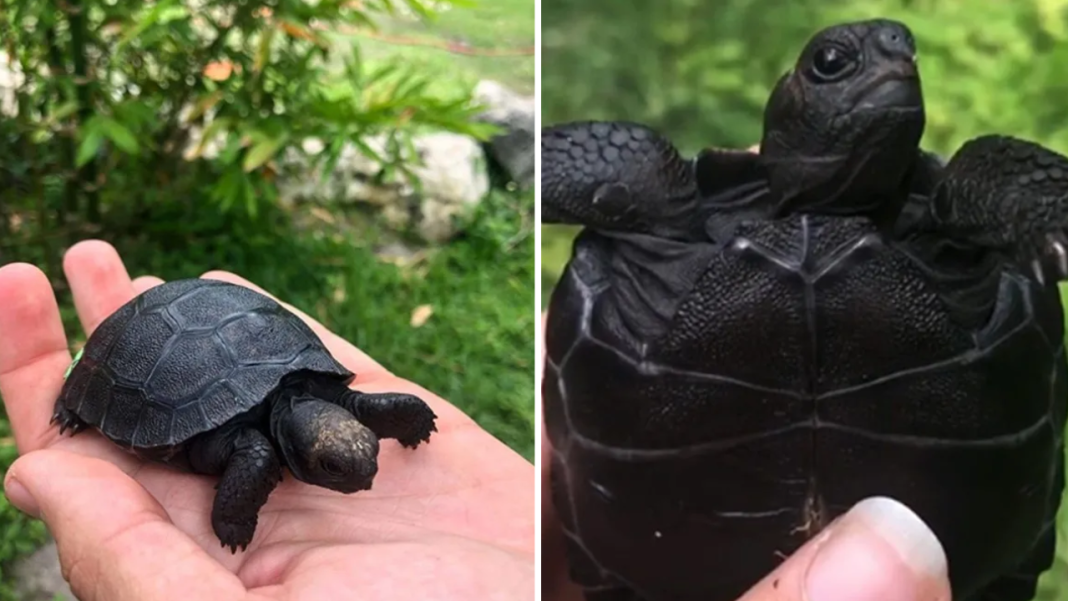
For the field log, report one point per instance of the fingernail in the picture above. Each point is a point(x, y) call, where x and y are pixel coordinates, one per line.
point(879, 551)
point(19, 496)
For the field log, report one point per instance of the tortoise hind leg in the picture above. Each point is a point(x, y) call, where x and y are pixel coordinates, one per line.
point(67, 420)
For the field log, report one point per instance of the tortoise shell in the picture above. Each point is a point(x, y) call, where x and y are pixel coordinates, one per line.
point(185, 357)
point(710, 408)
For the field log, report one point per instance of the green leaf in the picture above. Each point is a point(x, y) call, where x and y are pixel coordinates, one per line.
point(119, 134)
point(332, 156)
point(77, 358)
point(213, 129)
point(63, 111)
point(263, 52)
point(262, 152)
point(250, 198)
point(160, 14)
point(366, 150)
point(89, 146)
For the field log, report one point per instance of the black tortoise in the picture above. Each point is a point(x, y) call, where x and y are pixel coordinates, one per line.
point(218, 379)
point(743, 345)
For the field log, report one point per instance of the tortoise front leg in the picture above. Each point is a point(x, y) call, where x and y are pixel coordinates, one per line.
point(615, 176)
point(249, 470)
point(404, 417)
point(1010, 196)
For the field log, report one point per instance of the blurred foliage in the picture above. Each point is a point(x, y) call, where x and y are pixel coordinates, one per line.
point(115, 93)
point(701, 71)
point(156, 126)
point(494, 42)
point(19, 535)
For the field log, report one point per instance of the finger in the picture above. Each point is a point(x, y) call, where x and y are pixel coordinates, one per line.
point(115, 541)
point(145, 283)
point(879, 551)
point(350, 356)
point(33, 354)
point(98, 281)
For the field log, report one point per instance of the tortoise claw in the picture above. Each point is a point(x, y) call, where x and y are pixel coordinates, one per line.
point(234, 547)
point(1036, 267)
point(1060, 253)
point(67, 421)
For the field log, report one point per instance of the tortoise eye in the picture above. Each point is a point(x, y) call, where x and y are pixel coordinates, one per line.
point(332, 467)
point(831, 63)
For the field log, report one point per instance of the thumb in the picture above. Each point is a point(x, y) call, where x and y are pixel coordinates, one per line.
point(879, 551)
point(115, 541)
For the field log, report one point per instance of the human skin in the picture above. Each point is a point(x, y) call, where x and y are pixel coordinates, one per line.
point(453, 519)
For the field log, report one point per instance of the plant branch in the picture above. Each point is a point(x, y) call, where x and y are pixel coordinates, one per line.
point(86, 176)
point(221, 34)
point(67, 150)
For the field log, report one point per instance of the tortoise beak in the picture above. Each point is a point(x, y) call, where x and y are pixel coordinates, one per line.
point(893, 93)
point(897, 87)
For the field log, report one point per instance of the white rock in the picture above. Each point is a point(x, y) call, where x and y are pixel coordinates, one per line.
point(452, 174)
point(11, 78)
point(38, 577)
point(514, 113)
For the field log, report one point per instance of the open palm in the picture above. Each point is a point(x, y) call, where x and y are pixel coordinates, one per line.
point(450, 520)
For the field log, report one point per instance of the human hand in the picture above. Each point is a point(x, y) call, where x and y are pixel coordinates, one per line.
point(453, 520)
point(878, 551)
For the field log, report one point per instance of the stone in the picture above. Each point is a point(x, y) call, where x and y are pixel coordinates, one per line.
point(514, 148)
point(11, 78)
point(450, 170)
point(38, 577)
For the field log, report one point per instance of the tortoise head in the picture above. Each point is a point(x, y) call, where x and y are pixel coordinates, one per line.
point(325, 445)
point(842, 128)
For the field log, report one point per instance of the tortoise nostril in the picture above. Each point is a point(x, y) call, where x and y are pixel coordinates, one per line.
point(896, 44)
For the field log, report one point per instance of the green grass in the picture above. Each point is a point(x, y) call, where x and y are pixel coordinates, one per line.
point(556, 243)
point(486, 25)
point(19, 535)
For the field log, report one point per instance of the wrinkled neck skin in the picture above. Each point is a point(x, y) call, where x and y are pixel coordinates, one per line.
point(282, 427)
point(858, 162)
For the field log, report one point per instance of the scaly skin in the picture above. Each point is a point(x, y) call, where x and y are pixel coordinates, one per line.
point(616, 176)
point(249, 470)
point(403, 417)
point(1011, 196)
